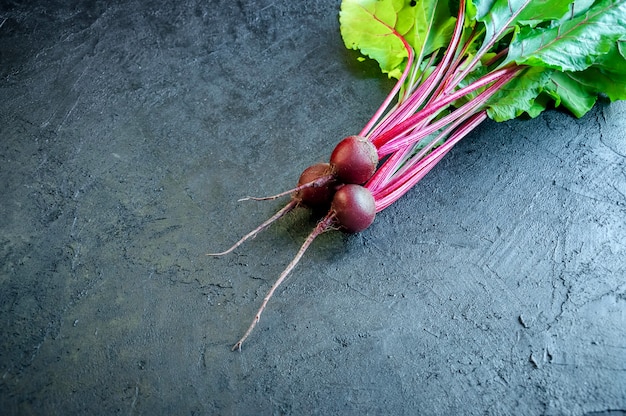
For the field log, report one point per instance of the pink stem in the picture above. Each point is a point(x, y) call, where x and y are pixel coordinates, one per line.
point(406, 106)
point(454, 67)
point(392, 193)
point(402, 140)
point(366, 130)
point(401, 147)
point(425, 89)
point(484, 48)
point(387, 169)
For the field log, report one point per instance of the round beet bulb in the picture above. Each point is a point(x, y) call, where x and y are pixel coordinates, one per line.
point(316, 196)
point(354, 207)
point(354, 160)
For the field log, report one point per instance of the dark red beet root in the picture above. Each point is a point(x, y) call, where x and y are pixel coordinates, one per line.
point(354, 160)
point(316, 196)
point(354, 208)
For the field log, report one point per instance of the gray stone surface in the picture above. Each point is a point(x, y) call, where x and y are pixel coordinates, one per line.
point(129, 129)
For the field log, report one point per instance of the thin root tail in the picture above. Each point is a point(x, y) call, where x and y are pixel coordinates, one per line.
point(313, 184)
point(324, 225)
point(286, 209)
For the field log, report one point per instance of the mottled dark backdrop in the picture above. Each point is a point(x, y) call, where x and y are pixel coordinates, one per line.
point(129, 129)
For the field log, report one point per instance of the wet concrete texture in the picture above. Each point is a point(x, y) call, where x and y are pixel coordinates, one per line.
point(129, 129)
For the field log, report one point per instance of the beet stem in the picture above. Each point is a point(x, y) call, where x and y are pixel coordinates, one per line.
point(286, 209)
point(324, 225)
point(410, 56)
point(319, 182)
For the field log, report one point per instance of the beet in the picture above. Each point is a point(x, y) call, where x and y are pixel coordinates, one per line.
point(354, 160)
point(318, 195)
point(354, 208)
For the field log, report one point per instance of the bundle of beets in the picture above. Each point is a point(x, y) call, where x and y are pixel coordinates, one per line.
point(457, 63)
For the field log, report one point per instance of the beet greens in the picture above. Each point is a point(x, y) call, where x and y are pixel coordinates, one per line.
point(457, 63)
point(497, 59)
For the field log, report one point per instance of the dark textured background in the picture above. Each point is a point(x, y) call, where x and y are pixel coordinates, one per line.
point(129, 129)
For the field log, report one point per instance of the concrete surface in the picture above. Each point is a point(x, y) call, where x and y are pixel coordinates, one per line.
point(129, 129)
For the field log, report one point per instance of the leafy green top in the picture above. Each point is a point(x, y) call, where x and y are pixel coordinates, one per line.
point(568, 52)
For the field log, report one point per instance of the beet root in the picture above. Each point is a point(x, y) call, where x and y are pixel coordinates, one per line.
point(354, 208)
point(354, 160)
point(319, 194)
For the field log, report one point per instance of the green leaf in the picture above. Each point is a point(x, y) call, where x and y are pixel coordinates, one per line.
point(607, 75)
point(540, 103)
point(571, 94)
point(578, 91)
point(369, 26)
point(433, 26)
point(575, 44)
point(478, 9)
point(540, 11)
point(577, 8)
point(501, 16)
point(574, 50)
point(519, 95)
point(375, 26)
